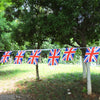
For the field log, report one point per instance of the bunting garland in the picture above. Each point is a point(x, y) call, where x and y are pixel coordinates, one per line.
point(69, 54)
point(19, 57)
point(54, 57)
point(33, 59)
point(5, 57)
point(91, 55)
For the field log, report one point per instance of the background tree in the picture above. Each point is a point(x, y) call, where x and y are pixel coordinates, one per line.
point(4, 33)
point(28, 14)
point(72, 22)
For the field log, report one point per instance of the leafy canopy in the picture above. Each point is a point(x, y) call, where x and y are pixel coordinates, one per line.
point(69, 22)
point(72, 21)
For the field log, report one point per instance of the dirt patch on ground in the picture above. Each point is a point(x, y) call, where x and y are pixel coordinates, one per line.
point(8, 85)
point(13, 97)
point(8, 89)
point(7, 97)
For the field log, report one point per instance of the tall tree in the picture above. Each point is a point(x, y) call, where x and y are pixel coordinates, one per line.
point(70, 22)
point(28, 14)
point(67, 22)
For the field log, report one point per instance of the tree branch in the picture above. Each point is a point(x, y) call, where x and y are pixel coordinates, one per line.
point(72, 45)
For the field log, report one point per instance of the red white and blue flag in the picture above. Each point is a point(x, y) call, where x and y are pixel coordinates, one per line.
point(19, 57)
point(69, 54)
point(5, 57)
point(33, 59)
point(54, 57)
point(91, 54)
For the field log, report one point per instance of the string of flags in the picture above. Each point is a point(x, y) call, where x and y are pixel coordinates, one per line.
point(91, 55)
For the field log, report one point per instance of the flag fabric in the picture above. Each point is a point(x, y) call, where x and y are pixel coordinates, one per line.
point(69, 54)
point(19, 57)
point(91, 54)
point(33, 59)
point(54, 57)
point(5, 57)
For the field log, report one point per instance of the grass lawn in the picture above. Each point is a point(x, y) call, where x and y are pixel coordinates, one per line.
point(62, 82)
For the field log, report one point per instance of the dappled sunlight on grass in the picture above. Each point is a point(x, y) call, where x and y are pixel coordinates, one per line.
point(49, 70)
point(62, 82)
point(54, 88)
point(62, 86)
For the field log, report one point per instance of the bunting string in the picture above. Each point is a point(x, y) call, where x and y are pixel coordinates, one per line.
point(91, 55)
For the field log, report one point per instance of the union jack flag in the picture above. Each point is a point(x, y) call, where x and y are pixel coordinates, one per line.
point(5, 57)
point(19, 57)
point(91, 54)
point(33, 59)
point(69, 54)
point(54, 57)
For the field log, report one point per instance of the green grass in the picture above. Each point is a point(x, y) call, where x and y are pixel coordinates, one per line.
point(57, 82)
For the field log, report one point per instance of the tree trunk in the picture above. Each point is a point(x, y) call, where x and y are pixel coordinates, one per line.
point(37, 73)
point(84, 69)
point(37, 67)
point(11, 59)
point(89, 85)
point(84, 65)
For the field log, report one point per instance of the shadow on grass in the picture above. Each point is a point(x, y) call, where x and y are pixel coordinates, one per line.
point(64, 86)
point(10, 73)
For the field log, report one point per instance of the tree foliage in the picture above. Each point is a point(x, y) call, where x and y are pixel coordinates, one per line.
point(28, 14)
point(77, 20)
point(75, 23)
